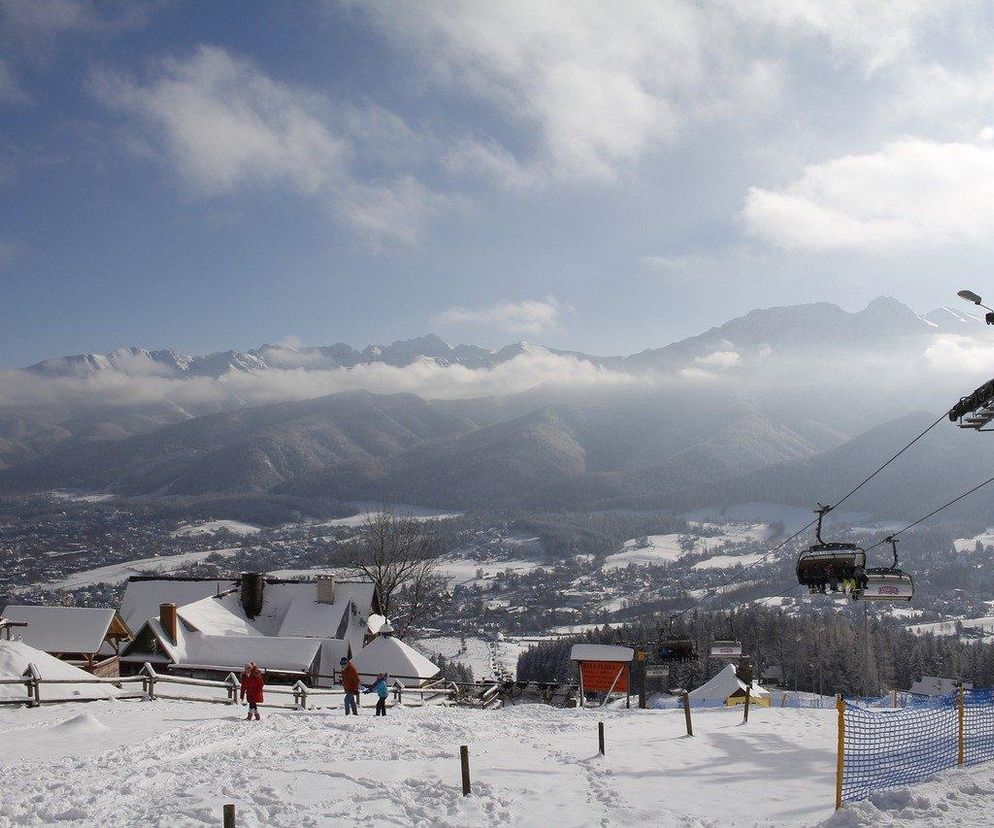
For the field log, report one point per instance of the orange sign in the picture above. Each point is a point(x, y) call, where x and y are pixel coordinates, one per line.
point(599, 676)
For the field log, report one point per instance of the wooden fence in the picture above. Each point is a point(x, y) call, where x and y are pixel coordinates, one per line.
point(154, 685)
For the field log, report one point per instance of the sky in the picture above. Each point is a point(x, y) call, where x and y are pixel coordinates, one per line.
point(606, 177)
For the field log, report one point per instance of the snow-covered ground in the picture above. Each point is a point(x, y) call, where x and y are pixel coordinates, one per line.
point(480, 655)
point(969, 544)
point(360, 518)
point(211, 527)
point(82, 497)
point(176, 764)
point(980, 627)
point(120, 572)
point(464, 571)
point(668, 548)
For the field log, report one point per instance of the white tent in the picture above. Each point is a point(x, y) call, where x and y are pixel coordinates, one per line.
point(400, 662)
point(15, 656)
point(718, 689)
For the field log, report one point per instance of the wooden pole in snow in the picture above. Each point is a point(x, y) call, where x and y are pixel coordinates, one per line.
point(745, 712)
point(686, 712)
point(464, 764)
point(229, 816)
point(600, 737)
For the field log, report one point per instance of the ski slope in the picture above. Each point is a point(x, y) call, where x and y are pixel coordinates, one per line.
point(119, 763)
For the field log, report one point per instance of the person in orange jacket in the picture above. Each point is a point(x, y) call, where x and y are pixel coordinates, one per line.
point(350, 684)
point(252, 685)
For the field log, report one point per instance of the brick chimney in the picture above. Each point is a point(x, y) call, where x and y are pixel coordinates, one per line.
point(326, 589)
point(167, 618)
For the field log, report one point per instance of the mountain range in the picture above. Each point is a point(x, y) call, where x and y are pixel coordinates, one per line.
point(782, 404)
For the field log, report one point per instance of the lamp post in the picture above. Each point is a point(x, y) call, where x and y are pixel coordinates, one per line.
point(970, 296)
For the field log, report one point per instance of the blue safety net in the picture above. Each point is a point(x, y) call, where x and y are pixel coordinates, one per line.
point(886, 746)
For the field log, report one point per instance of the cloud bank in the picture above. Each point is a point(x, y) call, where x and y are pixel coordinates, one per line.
point(912, 193)
point(530, 316)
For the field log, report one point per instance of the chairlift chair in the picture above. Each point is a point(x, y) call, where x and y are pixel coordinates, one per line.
point(827, 565)
point(726, 649)
point(886, 583)
point(677, 650)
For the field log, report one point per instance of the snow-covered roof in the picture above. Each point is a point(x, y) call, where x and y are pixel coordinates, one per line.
point(62, 629)
point(399, 661)
point(723, 685)
point(233, 651)
point(217, 616)
point(15, 656)
point(143, 595)
point(600, 652)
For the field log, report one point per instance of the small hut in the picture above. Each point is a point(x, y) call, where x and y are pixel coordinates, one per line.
point(727, 688)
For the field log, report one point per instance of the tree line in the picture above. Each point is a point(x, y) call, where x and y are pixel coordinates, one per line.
point(828, 653)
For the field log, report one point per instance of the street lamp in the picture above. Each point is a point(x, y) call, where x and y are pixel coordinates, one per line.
point(970, 296)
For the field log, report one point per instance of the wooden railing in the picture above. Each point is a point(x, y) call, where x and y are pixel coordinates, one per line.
point(155, 685)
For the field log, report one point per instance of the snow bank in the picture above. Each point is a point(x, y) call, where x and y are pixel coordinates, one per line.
point(15, 656)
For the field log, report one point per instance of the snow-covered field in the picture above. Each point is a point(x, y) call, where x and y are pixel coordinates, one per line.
point(120, 572)
point(969, 544)
point(464, 571)
point(667, 548)
point(361, 518)
point(480, 655)
point(176, 764)
point(211, 527)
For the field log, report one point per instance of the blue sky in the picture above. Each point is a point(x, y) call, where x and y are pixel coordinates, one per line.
point(604, 177)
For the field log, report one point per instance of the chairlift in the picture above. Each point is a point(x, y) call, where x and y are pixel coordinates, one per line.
point(677, 650)
point(726, 649)
point(827, 566)
point(885, 583)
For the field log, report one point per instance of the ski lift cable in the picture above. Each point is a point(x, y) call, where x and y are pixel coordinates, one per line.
point(717, 589)
point(934, 512)
point(885, 465)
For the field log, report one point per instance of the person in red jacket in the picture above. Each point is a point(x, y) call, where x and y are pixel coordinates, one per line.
point(350, 684)
point(252, 684)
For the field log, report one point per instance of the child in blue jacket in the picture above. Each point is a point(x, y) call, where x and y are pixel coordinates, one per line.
point(380, 688)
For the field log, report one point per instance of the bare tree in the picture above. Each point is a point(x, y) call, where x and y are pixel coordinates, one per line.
point(399, 554)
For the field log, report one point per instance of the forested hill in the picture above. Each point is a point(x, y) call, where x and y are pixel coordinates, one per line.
point(828, 653)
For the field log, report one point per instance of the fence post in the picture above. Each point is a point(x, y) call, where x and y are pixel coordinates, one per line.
point(642, 670)
point(961, 741)
point(745, 712)
point(600, 737)
point(34, 688)
point(233, 686)
point(783, 700)
point(300, 695)
point(686, 712)
point(150, 677)
point(464, 766)
point(229, 816)
point(894, 698)
point(840, 705)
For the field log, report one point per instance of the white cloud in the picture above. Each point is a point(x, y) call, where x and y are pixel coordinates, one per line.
point(720, 359)
point(601, 84)
point(531, 316)
point(224, 125)
point(960, 355)
point(426, 378)
point(911, 194)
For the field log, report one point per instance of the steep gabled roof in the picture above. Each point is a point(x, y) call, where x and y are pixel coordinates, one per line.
point(62, 629)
